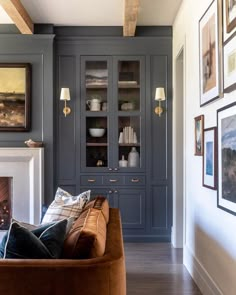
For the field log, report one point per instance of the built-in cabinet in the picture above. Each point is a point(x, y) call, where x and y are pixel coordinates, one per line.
point(112, 133)
point(112, 142)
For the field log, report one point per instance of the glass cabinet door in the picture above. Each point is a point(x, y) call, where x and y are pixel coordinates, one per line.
point(94, 97)
point(129, 110)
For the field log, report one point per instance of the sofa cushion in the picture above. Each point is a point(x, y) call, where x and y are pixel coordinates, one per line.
point(65, 205)
point(100, 203)
point(20, 242)
point(87, 238)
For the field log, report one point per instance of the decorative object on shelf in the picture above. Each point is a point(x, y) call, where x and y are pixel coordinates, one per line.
point(159, 96)
point(123, 162)
point(96, 77)
point(230, 64)
point(104, 106)
point(99, 163)
point(226, 123)
point(127, 106)
point(209, 54)
point(15, 96)
point(209, 158)
point(65, 95)
point(121, 138)
point(128, 135)
point(133, 158)
point(33, 144)
point(94, 104)
point(96, 132)
point(198, 143)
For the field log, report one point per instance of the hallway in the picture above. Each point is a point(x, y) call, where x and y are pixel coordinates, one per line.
point(156, 268)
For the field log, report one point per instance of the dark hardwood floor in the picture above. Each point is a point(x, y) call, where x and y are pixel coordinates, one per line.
point(157, 268)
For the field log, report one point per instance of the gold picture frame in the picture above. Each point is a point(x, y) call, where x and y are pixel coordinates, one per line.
point(15, 96)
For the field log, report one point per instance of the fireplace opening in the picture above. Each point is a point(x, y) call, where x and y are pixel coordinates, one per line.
point(5, 202)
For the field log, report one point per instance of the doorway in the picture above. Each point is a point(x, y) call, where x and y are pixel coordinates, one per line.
point(178, 152)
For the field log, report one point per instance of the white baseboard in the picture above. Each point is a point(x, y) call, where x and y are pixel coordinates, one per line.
point(199, 274)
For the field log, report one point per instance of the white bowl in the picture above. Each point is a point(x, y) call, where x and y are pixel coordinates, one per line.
point(96, 132)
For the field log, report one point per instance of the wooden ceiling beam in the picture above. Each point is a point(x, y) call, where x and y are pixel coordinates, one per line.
point(131, 8)
point(19, 15)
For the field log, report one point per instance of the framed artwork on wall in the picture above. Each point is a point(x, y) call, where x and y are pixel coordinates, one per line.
point(199, 126)
point(15, 96)
point(226, 121)
point(230, 15)
point(209, 175)
point(209, 54)
point(230, 64)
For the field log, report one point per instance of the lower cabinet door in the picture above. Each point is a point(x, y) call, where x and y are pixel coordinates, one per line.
point(131, 203)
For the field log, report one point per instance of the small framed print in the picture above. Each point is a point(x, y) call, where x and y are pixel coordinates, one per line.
point(226, 123)
point(209, 175)
point(209, 55)
point(230, 64)
point(199, 126)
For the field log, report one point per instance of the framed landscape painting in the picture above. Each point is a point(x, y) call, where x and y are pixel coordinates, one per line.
point(226, 121)
point(199, 126)
point(209, 54)
point(15, 85)
point(210, 159)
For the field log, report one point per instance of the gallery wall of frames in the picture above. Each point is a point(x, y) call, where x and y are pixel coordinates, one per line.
point(217, 76)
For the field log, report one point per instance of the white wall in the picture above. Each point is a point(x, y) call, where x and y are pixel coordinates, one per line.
point(210, 233)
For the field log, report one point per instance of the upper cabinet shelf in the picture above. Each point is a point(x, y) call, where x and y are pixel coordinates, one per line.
point(96, 86)
point(125, 84)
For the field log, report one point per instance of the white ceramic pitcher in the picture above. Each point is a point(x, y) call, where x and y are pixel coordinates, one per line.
point(94, 104)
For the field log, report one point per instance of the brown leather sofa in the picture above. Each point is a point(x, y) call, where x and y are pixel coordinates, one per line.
point(101, 276)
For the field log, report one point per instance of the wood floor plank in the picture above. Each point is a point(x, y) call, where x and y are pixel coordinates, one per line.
point(157, 268)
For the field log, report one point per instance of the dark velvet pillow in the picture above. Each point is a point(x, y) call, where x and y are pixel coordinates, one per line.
point(43, 242)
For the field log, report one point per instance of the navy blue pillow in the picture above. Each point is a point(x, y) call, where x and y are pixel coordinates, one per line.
point(44, 242)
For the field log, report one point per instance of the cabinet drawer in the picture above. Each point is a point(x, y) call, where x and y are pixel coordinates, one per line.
point(135, 180)
point(91, 180)
point(113, 179)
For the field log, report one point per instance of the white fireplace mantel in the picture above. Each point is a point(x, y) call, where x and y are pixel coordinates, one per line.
point(25, 166)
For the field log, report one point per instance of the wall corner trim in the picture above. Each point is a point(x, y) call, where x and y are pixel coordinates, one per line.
point(199, 274)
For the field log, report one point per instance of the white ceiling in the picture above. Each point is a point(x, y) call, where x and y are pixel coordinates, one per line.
point(96, 13)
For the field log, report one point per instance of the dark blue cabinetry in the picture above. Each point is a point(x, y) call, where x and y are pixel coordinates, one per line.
point(142, 193)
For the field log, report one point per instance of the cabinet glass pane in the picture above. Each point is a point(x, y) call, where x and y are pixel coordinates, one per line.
point(96, 80)
point(129, 85)
point(129, 141)
point(96, 142)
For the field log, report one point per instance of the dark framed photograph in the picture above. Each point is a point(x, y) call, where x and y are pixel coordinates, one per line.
point(209, 54)
point(15, 96)
point(209, 175)
point(226, 121)
point(230, 64)
point(199, 126)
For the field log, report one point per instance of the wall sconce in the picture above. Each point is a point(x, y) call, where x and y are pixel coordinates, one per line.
point(159, 96)
point(65, 95)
